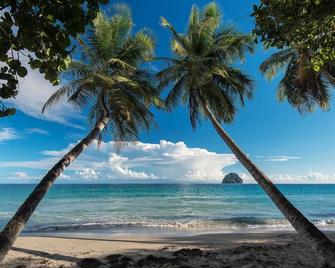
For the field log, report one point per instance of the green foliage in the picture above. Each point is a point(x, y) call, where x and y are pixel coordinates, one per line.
point(299, 24)
point(302, 86)
point(109, 78)
point(39, 30)
point(201, 72)
point(304, 32)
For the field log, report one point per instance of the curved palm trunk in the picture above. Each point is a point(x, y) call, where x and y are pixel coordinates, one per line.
point(19, 220)
point(318, 240)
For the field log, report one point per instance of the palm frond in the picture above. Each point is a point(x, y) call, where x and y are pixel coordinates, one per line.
point(110, 32)
point(201, 71)
point(329, 72)
point(138, 48)
point(78, 70)
point(193, 107)
point(303, 97)
point(61, 93)
point(118, 63)
point(220, 102)
point(178, 37)
point(211, 16)
point(170, 75)
point(230, 45)
point(235, 83)
point(175, 93)
point(109, 78)
point(276, 62)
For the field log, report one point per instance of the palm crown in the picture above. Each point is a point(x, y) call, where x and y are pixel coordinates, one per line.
point(109, 78)
point(302, 86)
point(201, 71)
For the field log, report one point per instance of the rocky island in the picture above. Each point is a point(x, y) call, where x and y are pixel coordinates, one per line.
point(232, 178)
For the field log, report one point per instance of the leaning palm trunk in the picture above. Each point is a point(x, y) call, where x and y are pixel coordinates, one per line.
point(318, 240)
point(17, 223)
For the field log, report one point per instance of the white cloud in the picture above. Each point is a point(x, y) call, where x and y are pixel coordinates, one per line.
point(165, 160)
point(309, 177)
point(21, 175)
point(87, 173)
point(280, 158)
point(36, 131)
point(12, 134)
point(43, 164)
point(64, 176)
point(8, 134)
point(34, 91)
point(118, 165)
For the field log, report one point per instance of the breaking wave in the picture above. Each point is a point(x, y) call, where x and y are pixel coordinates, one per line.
point(231, 224)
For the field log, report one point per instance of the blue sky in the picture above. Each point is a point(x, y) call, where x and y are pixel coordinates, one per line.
point(287, 146)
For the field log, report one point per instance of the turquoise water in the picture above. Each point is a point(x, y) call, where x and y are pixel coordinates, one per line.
point(172, 207)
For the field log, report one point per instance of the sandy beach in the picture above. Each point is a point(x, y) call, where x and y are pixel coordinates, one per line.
point(205, 250)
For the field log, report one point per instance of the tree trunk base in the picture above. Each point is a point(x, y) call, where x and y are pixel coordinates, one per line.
point(5, 247)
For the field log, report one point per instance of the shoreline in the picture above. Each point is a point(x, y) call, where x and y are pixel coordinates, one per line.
point(169, 229)
point(275, 249)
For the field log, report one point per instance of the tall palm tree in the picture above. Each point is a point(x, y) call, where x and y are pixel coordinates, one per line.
point(108, 78)
point(201, 74)
point(302, 86)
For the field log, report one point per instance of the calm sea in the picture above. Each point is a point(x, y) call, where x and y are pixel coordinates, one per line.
point(167, 207)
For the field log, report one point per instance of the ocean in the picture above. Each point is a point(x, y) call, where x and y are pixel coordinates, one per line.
point(115, 208)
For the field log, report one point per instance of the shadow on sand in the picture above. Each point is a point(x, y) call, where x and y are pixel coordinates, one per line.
point(284, 251)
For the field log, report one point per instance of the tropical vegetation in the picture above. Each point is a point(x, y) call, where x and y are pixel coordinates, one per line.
point(202, 75)
point(301, 24)
point(109, 79)
point(303, 32)
point(39, 32)
point(302, 86)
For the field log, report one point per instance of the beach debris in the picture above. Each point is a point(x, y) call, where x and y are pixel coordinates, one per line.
point(89, 263)
point(152, 260)
point(119, 261)
point(194, 252)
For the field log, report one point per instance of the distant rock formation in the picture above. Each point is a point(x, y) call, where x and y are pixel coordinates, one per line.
point(232, 178)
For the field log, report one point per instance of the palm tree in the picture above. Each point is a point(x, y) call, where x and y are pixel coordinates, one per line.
point(303, 86)
point(109, 79)
point(201, 75)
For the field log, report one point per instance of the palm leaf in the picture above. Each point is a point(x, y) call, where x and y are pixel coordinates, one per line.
point(109, 78)
point(178, 37)
point(276, 62)
point(201, 72)
point(175, 93)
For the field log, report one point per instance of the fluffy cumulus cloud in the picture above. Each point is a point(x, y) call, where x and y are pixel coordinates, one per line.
point(138, 161)
point(87, 173)
point(8, 134)
point(34, 91)
point(148, 162)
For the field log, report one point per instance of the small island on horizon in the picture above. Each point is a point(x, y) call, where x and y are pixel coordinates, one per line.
point(119, 120)
point(232, 178)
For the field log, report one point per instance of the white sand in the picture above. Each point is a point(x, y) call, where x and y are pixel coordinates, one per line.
point(217, 250)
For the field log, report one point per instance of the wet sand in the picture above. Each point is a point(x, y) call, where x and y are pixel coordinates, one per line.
point(145, 250)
